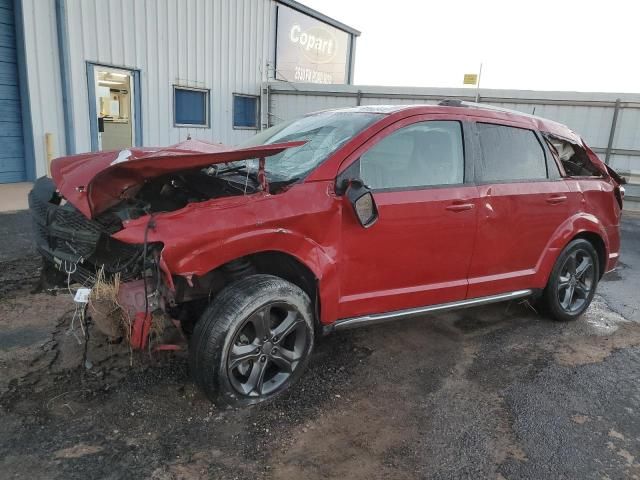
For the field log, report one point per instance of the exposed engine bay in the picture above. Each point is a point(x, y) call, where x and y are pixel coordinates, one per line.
point(175, 191)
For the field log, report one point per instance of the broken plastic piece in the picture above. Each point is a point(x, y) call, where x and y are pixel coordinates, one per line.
point(82, 295)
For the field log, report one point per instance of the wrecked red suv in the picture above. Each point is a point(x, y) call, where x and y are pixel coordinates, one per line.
point(338, 219)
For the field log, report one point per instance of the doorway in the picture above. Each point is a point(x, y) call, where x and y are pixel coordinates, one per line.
point(114, 107)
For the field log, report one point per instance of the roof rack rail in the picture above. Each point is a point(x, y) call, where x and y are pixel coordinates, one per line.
point(452, 102)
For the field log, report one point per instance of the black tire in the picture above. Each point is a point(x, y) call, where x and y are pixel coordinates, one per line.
point(228, 354)
point(570, 287)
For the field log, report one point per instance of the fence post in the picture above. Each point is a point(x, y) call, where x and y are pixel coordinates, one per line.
point(612, 132)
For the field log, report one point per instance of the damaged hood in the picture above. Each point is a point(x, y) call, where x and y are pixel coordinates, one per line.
point(94, 182)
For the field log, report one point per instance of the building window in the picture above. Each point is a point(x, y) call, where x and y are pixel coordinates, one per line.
point(190, 107)
point(245, 111)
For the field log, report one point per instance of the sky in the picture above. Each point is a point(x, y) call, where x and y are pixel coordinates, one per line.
point(542, 45)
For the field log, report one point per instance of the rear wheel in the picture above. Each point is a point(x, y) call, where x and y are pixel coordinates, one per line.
point(253, 341)
point(572, 282)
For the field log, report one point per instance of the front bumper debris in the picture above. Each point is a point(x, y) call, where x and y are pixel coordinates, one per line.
point(84, 250)
point(74, 244)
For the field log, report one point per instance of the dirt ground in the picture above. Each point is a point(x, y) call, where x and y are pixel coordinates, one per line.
point(495, 392)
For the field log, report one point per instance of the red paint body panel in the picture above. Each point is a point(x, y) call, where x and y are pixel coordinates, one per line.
point(597, 197)
point(419, 252)
point(515, 224)
point(93, 182)
point(303, 222)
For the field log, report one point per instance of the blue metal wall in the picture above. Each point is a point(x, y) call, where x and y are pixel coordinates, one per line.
point(12, 163)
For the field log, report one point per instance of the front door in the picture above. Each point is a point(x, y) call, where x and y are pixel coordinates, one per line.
point(419, 250)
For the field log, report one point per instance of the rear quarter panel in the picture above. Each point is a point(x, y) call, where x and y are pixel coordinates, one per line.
point(595, 196)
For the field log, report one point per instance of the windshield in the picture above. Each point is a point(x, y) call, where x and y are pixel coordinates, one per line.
point(324, 132)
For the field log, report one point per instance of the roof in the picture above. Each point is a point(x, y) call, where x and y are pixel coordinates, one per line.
point(477, 110)
point(443, 104)
point(320, 16)
point(386, 109)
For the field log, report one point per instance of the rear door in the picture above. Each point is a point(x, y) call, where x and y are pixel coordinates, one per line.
point(419, 250)
point(522, 202)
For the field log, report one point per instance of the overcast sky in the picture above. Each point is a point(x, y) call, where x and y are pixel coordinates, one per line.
point(541, 45)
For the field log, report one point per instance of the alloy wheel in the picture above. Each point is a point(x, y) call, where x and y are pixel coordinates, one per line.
point(266, 349)
point(577, 279)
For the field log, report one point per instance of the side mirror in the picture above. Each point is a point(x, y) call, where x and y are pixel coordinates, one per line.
point(361, 199)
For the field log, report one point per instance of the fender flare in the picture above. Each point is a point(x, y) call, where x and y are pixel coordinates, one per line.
point(573, 226)
point(315, 257)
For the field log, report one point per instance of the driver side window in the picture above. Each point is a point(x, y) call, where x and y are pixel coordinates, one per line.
point(423, 154)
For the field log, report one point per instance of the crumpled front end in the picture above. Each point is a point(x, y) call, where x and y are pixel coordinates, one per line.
point(133, 295)
point(75, 245)
point(95, 225)
point(77, 250)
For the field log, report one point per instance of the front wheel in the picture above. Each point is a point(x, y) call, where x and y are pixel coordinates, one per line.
point(253, 341)
point(572, 282)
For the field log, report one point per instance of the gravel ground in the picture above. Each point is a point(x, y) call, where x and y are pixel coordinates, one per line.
point(493, 392)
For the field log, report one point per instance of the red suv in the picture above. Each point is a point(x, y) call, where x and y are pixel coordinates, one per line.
point(338, 219)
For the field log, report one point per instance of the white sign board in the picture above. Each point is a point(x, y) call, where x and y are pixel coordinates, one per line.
point(309, 50)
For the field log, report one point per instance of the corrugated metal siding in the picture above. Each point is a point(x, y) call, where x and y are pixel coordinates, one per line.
point(285, 107)
point(589, 114)
point(12, 167)
point(381, 100)
point(593, 123)
point(43, 72)
point(222, 45)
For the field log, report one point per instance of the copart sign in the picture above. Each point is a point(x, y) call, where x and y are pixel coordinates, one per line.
point(309, 50)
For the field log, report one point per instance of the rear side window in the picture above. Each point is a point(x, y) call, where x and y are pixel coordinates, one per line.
point(509, 153)
point(419, 155)
point(574, 159)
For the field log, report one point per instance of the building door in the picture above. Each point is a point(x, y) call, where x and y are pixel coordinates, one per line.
point(114, 107)
point(12, 155)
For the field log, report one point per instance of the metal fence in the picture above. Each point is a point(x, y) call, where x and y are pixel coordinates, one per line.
point(609, 122)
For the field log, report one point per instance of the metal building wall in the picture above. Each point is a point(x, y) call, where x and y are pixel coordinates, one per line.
point(43, 77)
point(589, 114)
point(220, 45)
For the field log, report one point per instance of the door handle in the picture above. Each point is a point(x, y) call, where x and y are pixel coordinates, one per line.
point(459, 207)
point(555, 199)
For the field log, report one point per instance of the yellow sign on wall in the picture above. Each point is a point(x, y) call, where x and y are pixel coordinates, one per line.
point(470, 79)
